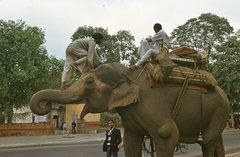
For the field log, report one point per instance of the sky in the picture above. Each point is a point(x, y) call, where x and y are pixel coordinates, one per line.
point(59, 19)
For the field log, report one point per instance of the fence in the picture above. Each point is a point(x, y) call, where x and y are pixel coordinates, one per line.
point(26, 129)
point(40, 128)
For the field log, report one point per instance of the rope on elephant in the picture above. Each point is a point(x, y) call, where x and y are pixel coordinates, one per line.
point(180, 96)
point(182, 92)
point(140, 72)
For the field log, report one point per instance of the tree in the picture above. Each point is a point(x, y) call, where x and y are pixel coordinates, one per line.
point(24, 63)
point(126, 48)
point(202, 33)
point(115, 48)
point(238, 33)
point(52, 79)
point(226, 69)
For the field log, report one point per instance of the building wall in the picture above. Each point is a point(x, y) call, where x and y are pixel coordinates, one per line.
point(75, 110)
point(23, 115)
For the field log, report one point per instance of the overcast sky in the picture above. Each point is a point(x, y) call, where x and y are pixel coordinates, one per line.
point(59, 19)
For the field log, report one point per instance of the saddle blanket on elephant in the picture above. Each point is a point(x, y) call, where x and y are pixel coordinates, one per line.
point(155, 84)
point(178, 75)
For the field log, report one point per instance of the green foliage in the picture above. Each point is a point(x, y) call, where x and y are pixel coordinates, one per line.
point(26, 67)
point(226, 69)
point(22, 55)
point(238, 33)
point(115, 48)
point(52, 79)
point(123, 45)
point(107, 116)
point(2, 118)
point(201, 33)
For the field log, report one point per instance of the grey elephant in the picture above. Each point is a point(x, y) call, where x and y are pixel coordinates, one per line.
point(147, 111)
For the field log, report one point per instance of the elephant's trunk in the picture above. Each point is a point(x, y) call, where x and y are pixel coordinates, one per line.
point(51, 96)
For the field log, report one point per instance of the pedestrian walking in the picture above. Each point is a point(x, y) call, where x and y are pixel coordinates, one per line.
point(73, 127)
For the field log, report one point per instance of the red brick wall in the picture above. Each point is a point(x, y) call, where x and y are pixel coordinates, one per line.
point(87, 127)
point(93, 125)
point(26, 129)
point(37, 128)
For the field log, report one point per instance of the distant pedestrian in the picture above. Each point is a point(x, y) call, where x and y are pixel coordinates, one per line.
point(239, 122)
point(64, 126)
point(61, 126)
point(235, 123)
point(73, 127)
point(113, 139)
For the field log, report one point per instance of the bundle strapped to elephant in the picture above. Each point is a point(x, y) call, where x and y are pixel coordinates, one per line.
point(179, 66)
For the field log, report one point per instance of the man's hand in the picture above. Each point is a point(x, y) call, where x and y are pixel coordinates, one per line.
point(149, 39)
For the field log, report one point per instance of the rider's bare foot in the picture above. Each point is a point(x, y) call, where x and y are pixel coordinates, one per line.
point(134, 67)
point(74, 65)
point(63, 86)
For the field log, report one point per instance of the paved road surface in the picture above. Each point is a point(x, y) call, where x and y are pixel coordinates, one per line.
point(231, 142)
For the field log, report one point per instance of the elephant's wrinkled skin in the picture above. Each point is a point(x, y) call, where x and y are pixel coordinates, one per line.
point(113, 86)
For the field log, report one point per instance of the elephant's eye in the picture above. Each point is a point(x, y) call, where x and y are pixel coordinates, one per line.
point(89, 81)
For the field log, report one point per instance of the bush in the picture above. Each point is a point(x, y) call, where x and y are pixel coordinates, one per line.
point(107, 116)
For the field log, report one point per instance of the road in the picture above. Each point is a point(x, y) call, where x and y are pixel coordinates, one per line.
point(80, 150)
point(94, 149)
point(231, 145)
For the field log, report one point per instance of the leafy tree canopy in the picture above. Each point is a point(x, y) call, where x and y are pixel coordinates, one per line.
point(25, 64)
point(226, 68)
point(52, 79)
point(201, 33)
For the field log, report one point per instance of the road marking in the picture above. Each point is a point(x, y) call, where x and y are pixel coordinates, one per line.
point(234, 155)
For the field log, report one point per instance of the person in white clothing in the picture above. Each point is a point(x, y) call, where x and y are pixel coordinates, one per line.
point(146, 50)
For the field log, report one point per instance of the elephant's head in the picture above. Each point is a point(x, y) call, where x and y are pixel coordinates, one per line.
point(106, 88)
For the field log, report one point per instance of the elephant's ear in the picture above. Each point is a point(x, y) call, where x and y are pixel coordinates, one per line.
point(123, 94)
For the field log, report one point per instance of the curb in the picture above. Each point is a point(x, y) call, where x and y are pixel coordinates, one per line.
point(52, 143)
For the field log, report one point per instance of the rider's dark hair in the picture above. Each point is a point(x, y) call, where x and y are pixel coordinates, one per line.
point(157, 26)
point(97, 36)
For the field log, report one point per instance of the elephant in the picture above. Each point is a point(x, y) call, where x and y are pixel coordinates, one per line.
point(145, 110)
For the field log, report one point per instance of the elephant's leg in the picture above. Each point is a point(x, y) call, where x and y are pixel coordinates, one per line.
point(208, 150)
point(212, 143)
point(132, 144)
point(219, 151)
point(165, 139)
